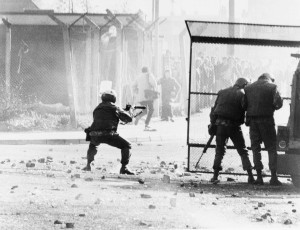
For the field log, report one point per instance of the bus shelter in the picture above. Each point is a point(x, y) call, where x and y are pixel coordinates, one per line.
point(220, 53)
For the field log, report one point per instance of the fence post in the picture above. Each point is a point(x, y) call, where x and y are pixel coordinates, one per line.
point(7, 60)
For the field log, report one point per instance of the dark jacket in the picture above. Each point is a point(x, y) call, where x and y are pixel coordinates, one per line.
point(262, 99)
point(229, 105)
point(107, 116)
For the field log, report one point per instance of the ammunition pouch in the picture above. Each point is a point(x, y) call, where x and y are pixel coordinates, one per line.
point(102, 133)
point(212, 129)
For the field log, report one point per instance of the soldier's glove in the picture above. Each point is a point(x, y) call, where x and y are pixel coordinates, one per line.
point(212, 129)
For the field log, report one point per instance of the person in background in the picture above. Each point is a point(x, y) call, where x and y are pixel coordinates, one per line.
point(170, 89)
point(145, 89)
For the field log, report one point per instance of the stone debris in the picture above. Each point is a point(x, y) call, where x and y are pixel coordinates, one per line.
point(152, 171)
point(235, 195)
point(51, 175)
point(260, 204)
point(141, 181)
point(82, 215)
point(287, 222)
point(264, 216)
point(294, 210)
point(258, 219)
point(103, 177)
point(13, 187)
point(75, 176)
point(141, 223)
point(98, 201)
point(69, 225)
point(78, 196)
point(22, 162)
point(214, 203)
point(166, 179)
point(42, 160)
point(73, 162)
point(146, 196)
point(88, 179)
point(151, 206)
point(173, 202)
point(230, 179)
point(57, 222)
point(74, 186)
point(69, 171)
point(13, 165)
point(187, 174)
point(30, 165)
point(192, 194)
point(290, 202)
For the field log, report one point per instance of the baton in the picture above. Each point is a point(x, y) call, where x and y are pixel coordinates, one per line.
point(205, 149)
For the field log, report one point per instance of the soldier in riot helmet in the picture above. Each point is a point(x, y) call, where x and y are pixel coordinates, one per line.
point(261, 100)
point(106, 117)
point(226, 118)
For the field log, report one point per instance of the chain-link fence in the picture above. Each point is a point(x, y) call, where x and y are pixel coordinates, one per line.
point(53, 72)
point(209, 74)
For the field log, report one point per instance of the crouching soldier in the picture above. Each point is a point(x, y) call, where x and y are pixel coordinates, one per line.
point(106, 118)
point(227, 116)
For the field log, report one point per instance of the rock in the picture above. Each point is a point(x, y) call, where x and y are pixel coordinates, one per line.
point(42, 160)
point(146, 196)
point(264, 216)
point(182, 184)
point(13, 165)
point(287, 222)
point(82, 215)
point(7, 160)
point(69, 225)
point(98, 201)
point(234, 195)
point(22, 162)
point(13, 187)
point(49, 158)
point(103, 177)
point(260, 204)
point(166, 179)
point(158, 158)
point(74, 186)
point(141, 223)
point(294, 210)
point(69, 171)
point(173, 202)
point(50, 175)
point(290, 202)
point(214, 203)
point(75, 176)
point(152, 206)
point(88, 179)
point(187, 174)
point(118, 160)
point(78, 196)
point(73, 162)
point(57, 222)
point(258, 219)
point(141, 181)
point(30, 165)
point(152, 171)
point(230, 179)
point(192, 194)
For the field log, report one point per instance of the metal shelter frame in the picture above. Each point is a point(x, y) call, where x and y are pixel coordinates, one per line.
point(199, 33)
point(66, 21)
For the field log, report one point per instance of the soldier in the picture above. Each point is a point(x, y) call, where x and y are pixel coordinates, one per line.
point(104, 130)
point(261, 100)
point(227, 116)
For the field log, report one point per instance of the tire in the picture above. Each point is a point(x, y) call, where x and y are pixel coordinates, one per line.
point(296, 180)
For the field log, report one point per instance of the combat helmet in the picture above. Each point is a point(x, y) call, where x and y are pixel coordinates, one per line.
point(109, 96)
point(241, 82)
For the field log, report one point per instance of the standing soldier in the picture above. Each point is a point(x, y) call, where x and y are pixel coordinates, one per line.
point(104, 130)
point(227, 116)
point(261, 100)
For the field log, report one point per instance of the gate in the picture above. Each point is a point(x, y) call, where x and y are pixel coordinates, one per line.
point(219, 54)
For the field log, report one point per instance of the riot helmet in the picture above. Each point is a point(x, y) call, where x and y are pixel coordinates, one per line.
point(241, 82)
point(109, 96)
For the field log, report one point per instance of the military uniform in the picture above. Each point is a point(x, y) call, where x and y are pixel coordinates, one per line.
point(261, 100)
point(103, 130)
point(228, 115)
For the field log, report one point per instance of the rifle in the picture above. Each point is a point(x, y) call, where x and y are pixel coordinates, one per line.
point(205, 149)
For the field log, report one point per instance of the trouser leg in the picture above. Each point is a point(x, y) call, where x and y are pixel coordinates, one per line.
point(221, 141)
point(256, 140)
point(125, 156)
point(91, 152)
point(150, 112)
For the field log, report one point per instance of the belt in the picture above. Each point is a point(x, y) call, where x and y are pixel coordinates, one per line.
point(102, 133)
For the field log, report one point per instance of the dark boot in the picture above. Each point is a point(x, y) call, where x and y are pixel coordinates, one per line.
point(259, 180)
point(125, 170)
point(250, 176)
point(214, 179)
point(274, 179)
point(88, 166)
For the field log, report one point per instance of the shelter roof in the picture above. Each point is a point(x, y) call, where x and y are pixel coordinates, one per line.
point(243, 33)
point(45, 17)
